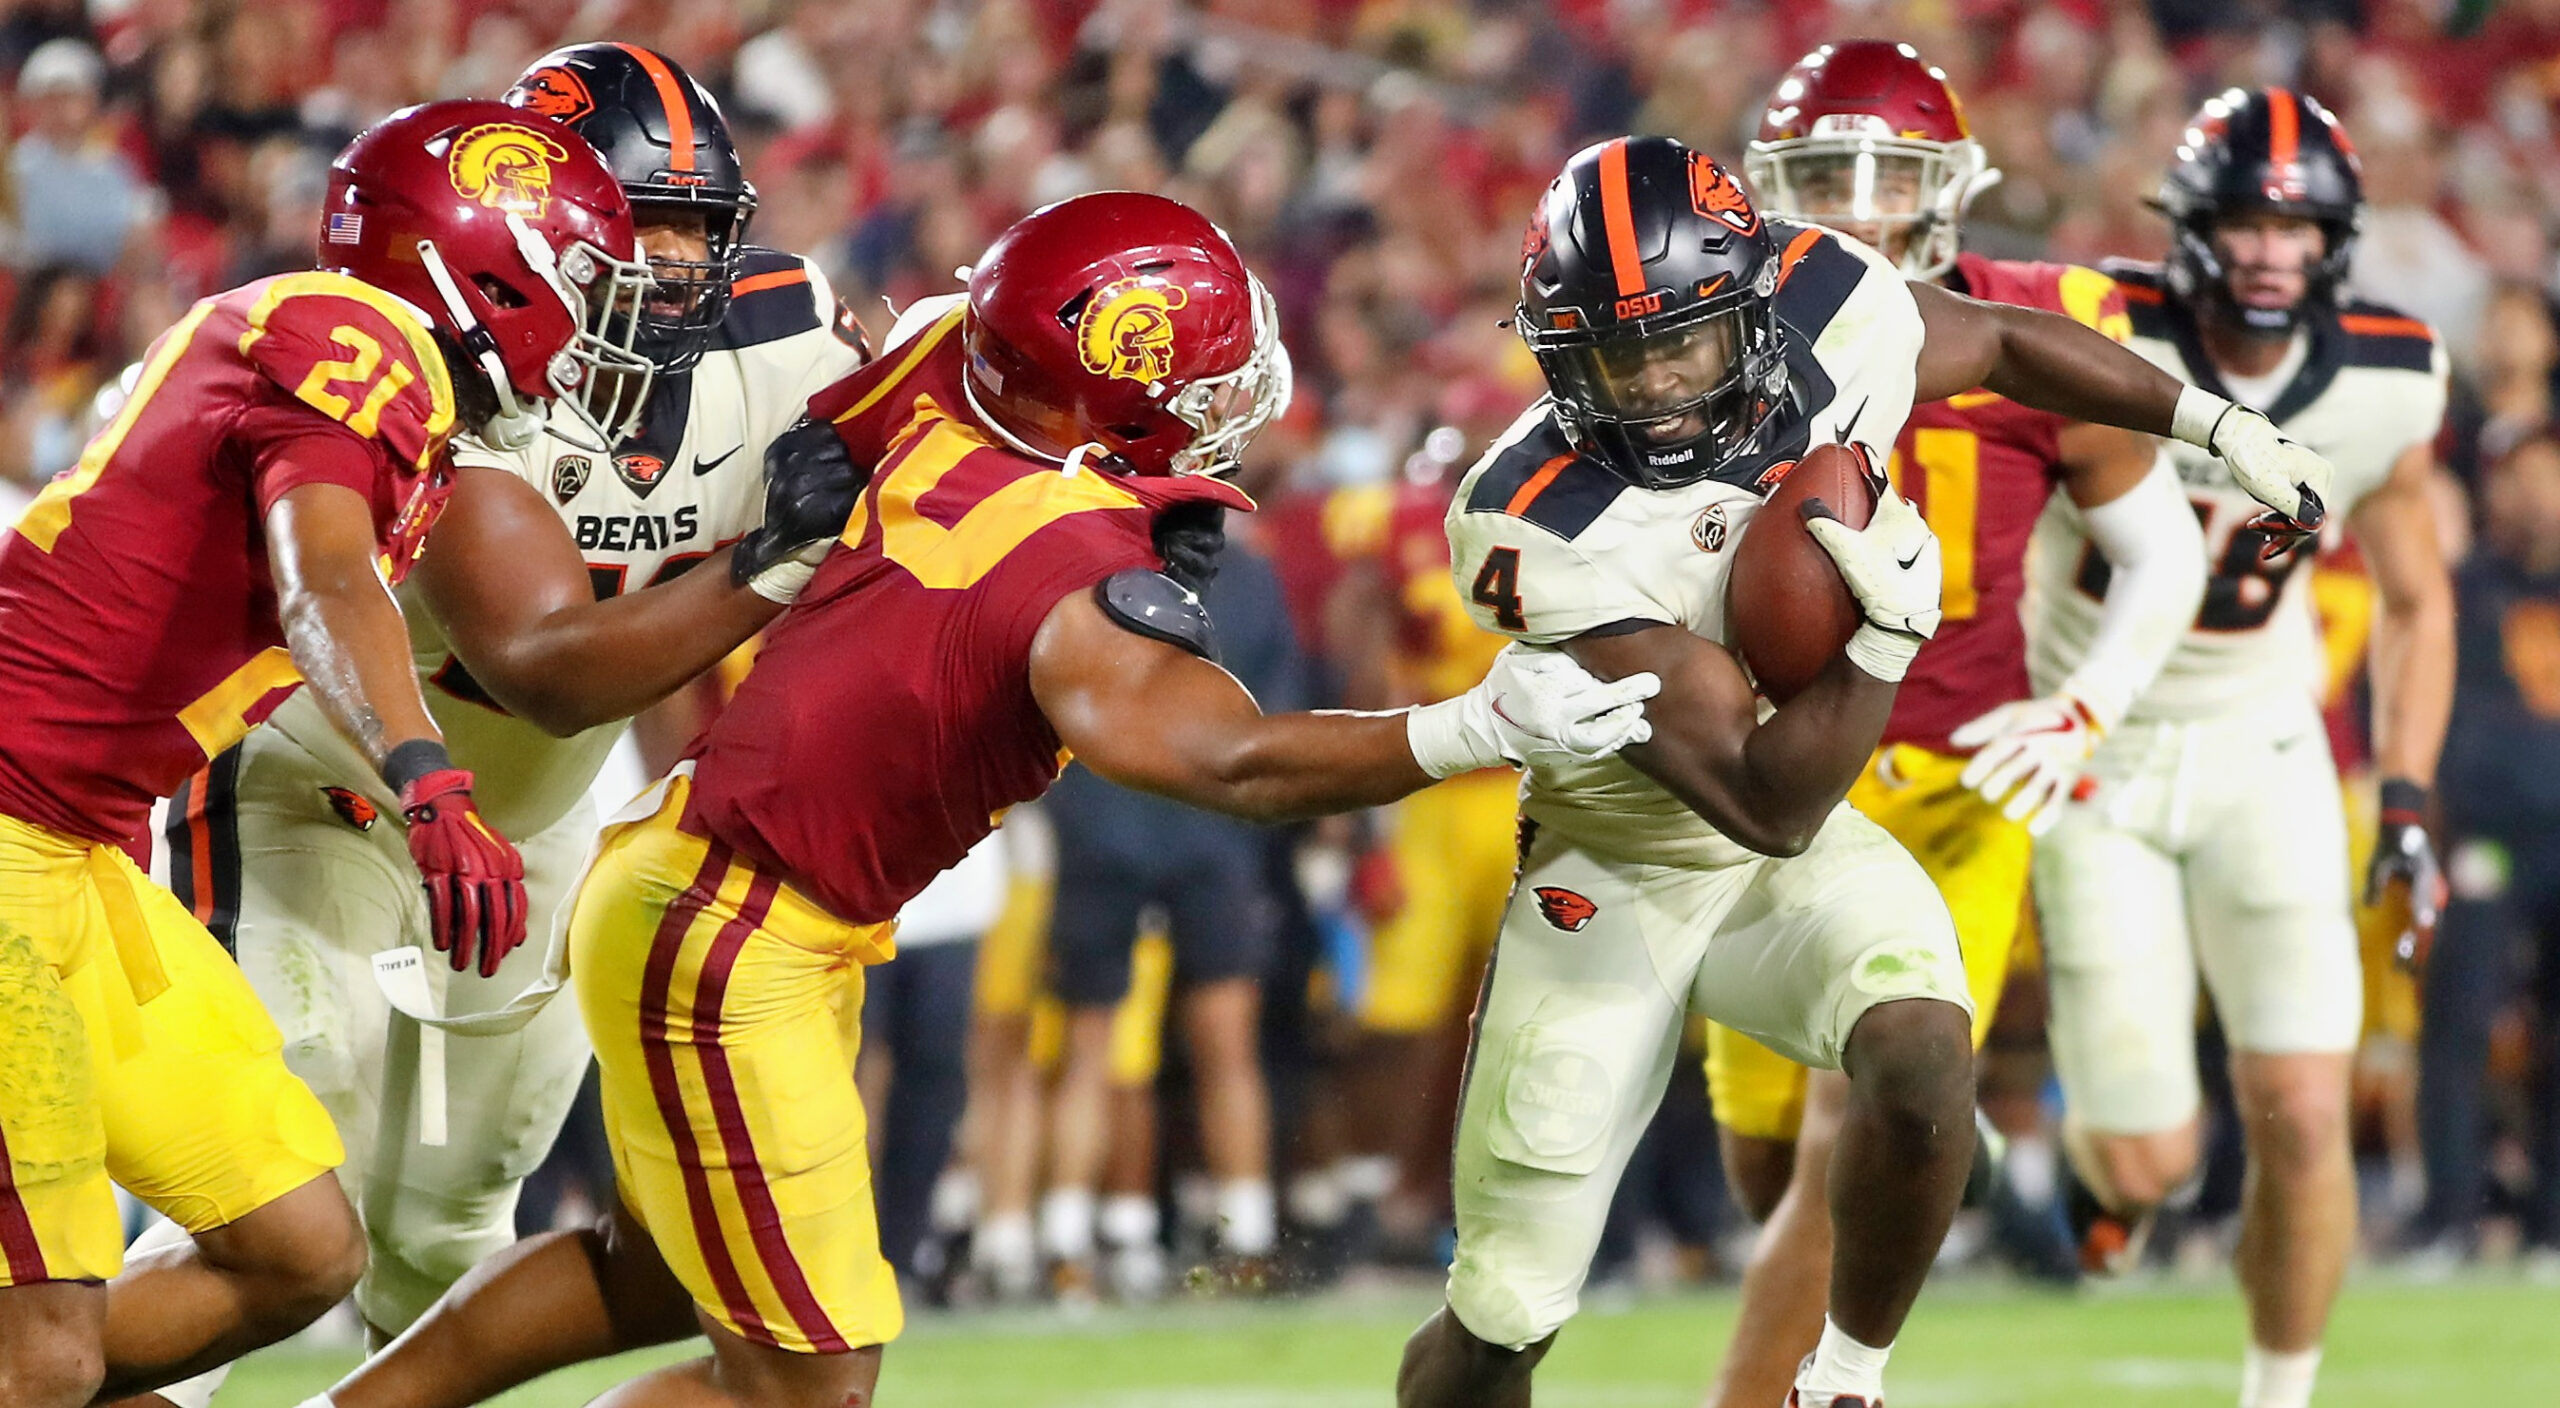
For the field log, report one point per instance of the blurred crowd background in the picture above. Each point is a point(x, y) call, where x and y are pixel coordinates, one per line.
point(1375, 160)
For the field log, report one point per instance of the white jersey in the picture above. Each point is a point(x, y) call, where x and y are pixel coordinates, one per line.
point(1546, 545)
point(691, 481)
point(2369, 385)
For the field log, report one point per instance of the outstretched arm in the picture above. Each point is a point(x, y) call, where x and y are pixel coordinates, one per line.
point(1153, 716)
point(505, 581)
point(2053, 363)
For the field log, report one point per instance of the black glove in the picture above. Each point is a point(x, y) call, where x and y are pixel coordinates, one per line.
point(1189, 537)
point(810, 487)
point(2402, 855)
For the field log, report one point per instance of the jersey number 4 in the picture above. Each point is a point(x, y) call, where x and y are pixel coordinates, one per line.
point(1497, 588)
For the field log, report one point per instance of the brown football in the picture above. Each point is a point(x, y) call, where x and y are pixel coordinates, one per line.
point(1787, 611)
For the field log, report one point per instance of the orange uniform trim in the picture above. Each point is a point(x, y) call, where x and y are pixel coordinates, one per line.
point(758, 283)
point(2284, 127)
point(1797, 249)
point(1528, 492)
point(2136, 293)
point(1618, 217)
point(2378, 325)
point(672, 94)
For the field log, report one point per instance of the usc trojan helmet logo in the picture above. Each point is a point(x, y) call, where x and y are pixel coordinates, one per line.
point(554, 92)
point(1715, 194)
point(505, 167)
point(1126, 330)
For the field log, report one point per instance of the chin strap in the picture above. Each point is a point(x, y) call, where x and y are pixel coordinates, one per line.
point(515, 426)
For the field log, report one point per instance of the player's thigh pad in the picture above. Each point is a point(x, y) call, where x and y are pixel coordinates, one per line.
point(2269, 896)
point(433, 1211)
point(2111, 916)
point(1817, 940)
point(725, 1013)
point(204, 1120)
point(1976, 857)
point(1574, 1041)
point(58, 972)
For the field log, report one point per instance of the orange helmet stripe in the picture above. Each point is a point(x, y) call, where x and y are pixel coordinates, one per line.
point(2284, 127)
point(1618, 217)
point(673, 96)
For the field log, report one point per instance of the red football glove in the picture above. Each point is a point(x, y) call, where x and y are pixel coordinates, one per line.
point(474, 879)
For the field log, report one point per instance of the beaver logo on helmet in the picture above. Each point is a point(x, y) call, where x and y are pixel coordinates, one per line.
point(1126, 330)
point(1716, 195)
point(554, 92)
point(505, 167)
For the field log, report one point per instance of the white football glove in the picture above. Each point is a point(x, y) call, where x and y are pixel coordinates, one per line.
point(2030, 753)
point(1892, 567)
point(2290, 478)
point(1535, 707)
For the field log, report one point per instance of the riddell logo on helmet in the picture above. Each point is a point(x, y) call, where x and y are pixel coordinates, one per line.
point(554, 92)
point(1715, 194)
point(505, 167)
point(1126, 330)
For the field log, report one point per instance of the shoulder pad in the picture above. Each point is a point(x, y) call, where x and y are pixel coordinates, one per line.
point(2382, 336)
point(1152, 604)
point(356, 354)
point(1540, 479)
point(1816, 275)
point(777, 295)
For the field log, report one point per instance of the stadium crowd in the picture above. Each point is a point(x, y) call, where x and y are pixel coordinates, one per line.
point(1374, 160)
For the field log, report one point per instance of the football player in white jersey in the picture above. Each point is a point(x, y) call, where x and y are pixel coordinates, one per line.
point(2212, 841)
point(1693, 352)
point(571, 587)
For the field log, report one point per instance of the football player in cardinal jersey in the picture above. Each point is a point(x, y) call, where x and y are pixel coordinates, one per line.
point(559, 602)
point(2206, 849)
point(216, 546)
point(1693, 353)
point(1043, 447)
point(1866, 138)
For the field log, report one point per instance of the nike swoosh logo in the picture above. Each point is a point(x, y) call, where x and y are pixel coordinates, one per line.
point(1914, 559)
point(1501, 713)
point(702, 466)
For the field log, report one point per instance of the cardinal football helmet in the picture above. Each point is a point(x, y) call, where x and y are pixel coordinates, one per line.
point(1865, 136)
point(507, 232)
point(1126, 323)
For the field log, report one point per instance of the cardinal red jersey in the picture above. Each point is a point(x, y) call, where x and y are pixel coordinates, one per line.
point(888, 720)
point(1979, 467)
point(138, 629)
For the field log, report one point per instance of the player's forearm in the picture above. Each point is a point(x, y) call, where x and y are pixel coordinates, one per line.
point(1286, 767)
point(1801, 760)
point(599, 661)
point(1770, 789)
point(352, 648)
point(2412, 661)
point(2155, 551)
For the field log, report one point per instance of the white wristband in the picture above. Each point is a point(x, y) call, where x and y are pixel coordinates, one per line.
point(1446, 740)
point(783, 582)
point(1886, 655)
point(2198, 412)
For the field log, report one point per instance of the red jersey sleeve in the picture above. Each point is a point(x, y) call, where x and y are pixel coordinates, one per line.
point(289, 447)
point(2083, 295)
point(358, 356)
